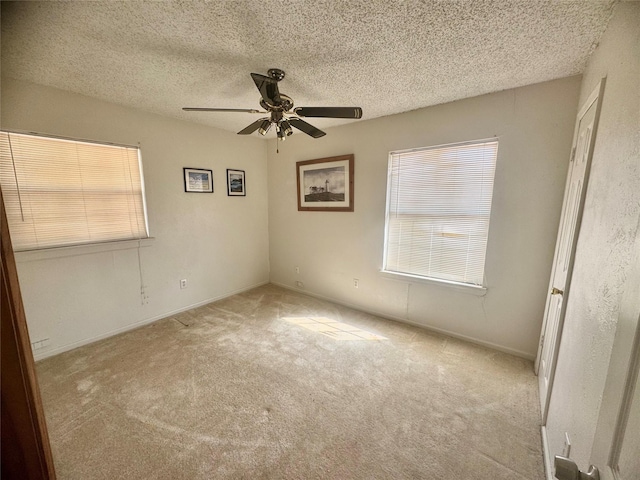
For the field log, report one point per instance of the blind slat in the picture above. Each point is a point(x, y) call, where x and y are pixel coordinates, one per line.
point(63, 192)
point(438, 208)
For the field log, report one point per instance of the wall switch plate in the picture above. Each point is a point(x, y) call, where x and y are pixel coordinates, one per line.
point(297, 269)
point(183, 283)
point(566, 450)
point(356, 282)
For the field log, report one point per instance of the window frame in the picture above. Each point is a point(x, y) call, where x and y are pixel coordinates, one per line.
point(467, 287)
point(71, 249)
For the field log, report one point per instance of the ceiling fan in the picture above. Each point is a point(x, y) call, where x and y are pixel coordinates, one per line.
point(279, 107)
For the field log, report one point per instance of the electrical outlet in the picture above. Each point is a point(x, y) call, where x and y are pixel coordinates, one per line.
point(566, 450)
point(144, 298)
point(297, 269)
point(356, 282)
point(39, 344)
point(183, 283)
point(299, 284)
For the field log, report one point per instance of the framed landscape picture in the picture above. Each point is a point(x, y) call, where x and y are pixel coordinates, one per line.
point(326, 184)
point(235, 183)
point(198, 180)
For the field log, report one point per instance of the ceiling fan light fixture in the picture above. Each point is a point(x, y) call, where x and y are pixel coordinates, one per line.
point(264, 127)
point(281, 134)
point(286, 127)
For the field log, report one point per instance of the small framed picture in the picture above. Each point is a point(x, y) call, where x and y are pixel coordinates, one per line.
point(235, 183)
point(326, 184)
point(198, 180)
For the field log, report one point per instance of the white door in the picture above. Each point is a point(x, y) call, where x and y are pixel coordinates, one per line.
point(616, 447)
point(581, 153)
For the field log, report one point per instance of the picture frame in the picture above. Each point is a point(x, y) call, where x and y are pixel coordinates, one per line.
point(326, 184)
point(236, 183)
point(198, 180)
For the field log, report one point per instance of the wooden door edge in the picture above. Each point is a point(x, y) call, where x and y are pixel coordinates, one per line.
point(26, 451)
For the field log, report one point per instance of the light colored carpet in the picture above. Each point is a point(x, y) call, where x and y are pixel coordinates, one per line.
point(266, 384)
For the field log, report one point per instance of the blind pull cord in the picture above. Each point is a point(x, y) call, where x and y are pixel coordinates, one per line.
point(143, 293)
point(15, 175)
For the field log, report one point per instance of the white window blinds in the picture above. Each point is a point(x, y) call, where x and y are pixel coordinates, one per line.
point(438, 208)
point(62, 192)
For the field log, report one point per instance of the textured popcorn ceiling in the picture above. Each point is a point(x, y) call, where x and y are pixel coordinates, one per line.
point(385, 56)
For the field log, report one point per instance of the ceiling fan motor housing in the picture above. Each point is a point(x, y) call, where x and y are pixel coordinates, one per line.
point(284, 105)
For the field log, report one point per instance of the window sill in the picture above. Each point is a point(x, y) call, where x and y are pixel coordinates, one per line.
point(75, 250)
point(477, 290)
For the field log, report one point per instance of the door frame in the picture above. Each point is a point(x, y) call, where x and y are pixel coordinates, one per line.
point(26, 452)
point(622, 375)
point(595, 96)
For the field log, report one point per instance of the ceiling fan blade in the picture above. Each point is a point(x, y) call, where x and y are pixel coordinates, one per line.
point(268, 88)
point(252, 128)
point(200, 109)
point(306, 127)
point(329, 112)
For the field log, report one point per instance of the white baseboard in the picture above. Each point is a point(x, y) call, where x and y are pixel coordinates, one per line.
point(65, 348)
point(484, 343)
point(55, 351)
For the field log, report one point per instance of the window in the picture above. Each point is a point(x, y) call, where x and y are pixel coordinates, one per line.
point(61, 192)
point(438, 208)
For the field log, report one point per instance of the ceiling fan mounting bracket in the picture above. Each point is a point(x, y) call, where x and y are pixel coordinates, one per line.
point(276, 74)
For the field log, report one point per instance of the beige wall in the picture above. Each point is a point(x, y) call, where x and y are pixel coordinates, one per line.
point(218, 243)
point(610, 226)
point(534, 125)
